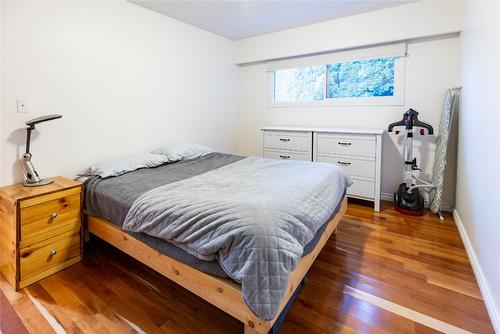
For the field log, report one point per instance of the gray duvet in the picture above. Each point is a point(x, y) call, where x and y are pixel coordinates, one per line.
point(255, 216)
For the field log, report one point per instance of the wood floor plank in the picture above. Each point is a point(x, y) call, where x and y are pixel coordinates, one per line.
point(69, 306)
point(405, 312)
point(27, 312)
point(415, 264)
point(9, 320)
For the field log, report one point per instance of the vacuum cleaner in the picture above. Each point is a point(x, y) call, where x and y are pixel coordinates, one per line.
point(408, 199)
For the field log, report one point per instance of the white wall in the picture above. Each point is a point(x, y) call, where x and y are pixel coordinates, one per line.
point(413, 20)
point(478, 178)
point(432, 66)
point(127, 79)
point(124, 78)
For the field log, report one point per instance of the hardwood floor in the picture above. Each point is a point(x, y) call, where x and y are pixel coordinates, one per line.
point(382, 273)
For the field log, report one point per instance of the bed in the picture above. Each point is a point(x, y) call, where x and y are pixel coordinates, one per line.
point(118, 210)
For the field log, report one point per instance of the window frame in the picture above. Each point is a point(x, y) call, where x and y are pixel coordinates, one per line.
point(399, 83)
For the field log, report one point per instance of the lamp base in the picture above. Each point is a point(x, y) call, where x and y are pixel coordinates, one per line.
point(42, 182)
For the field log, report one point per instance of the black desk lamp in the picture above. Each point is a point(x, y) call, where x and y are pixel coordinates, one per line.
point(31, 178)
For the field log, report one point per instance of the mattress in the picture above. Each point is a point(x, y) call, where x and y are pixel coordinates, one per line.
point(111, 199)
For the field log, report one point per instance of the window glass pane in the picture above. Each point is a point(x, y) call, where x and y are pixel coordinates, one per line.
point(361, 78)
point(299, 84)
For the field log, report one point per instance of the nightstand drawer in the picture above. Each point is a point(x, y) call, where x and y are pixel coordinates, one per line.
point(40, 257)
point(45, 220)
point(49, 197)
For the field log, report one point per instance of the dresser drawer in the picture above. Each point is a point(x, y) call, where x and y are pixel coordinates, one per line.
point(49, 253)
point(363, 146)
point(287, 155)
point(288, 140)
point(351, 166)
point(50, 218)
point(361, 188)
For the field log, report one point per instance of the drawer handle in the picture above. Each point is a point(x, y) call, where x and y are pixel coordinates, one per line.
point(344, 143)
point(284, 156)
point(53, 252)
point(52, 217)
point(343, 163)
point(285, 139)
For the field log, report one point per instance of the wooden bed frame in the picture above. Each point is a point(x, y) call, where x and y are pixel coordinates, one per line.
point(223, 293)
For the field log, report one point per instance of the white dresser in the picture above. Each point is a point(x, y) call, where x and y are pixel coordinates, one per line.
point(357, 151)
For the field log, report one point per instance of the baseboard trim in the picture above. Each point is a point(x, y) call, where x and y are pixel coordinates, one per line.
point(387, 197)
point(390, 198)
point(488, 298)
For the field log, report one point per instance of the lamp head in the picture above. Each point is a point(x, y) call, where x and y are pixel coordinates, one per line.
point(32, 122)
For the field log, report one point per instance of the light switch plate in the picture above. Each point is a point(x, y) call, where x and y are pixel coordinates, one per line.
point(21, 105)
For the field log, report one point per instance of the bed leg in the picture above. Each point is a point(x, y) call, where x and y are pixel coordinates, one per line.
point(249, 329)
point(252, 328)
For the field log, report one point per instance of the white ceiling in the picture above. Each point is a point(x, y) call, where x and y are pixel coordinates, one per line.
point(241, 19)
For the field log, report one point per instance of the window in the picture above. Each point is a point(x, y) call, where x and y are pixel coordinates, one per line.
point(361, 78)
point(299, 84)
point(352, 79)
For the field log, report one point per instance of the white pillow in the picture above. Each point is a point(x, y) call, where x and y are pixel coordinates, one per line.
point(124, 164)
point(183, 152)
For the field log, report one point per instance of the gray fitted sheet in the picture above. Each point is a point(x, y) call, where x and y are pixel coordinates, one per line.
point(111, 199)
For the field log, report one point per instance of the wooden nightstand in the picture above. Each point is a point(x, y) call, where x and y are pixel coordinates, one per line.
point(40, 230)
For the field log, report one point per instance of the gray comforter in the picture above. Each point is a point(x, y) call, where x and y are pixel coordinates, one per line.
point(255, 216)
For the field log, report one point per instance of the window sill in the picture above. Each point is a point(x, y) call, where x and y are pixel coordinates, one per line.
point(341, 103)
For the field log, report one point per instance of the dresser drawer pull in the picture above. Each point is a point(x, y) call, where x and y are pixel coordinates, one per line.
point(52, 217)
point(344, 143)
point(284, 156)
point(343, 163)
point(53, 252)
point(285, 139)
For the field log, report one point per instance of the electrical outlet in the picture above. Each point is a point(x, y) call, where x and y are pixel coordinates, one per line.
point(21, 105)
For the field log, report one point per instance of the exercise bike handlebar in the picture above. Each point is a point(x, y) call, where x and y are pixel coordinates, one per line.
point(410, 120)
